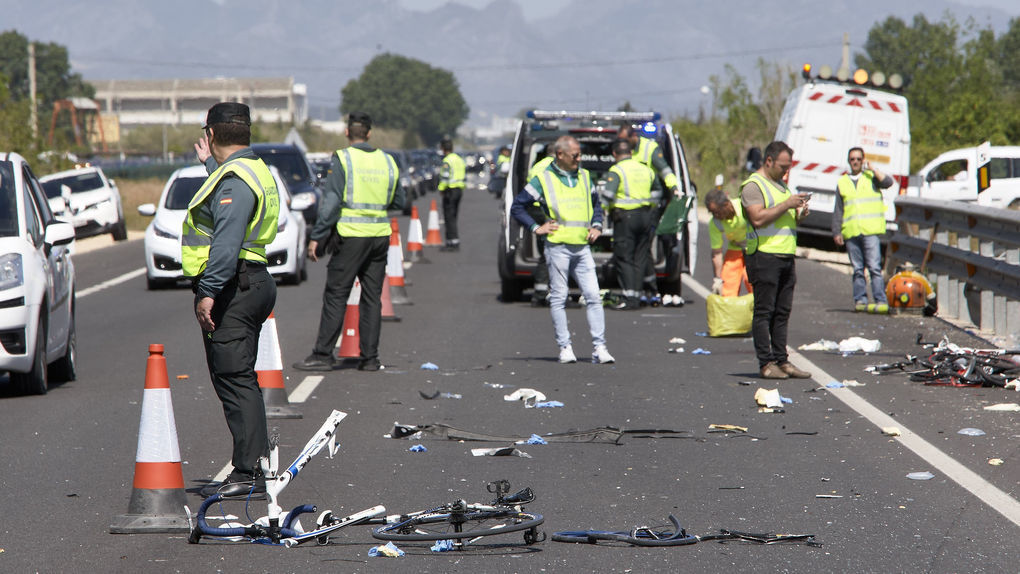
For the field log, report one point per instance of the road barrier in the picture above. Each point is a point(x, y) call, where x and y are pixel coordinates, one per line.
point(971, 255)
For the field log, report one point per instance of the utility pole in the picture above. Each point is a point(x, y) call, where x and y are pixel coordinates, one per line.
point(843, 73)
point(34, 113)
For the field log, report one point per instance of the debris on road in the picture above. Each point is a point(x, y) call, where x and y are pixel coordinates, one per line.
point(820, 345)
point(921, 475)
point(442, 546)
point(676, 350)
point(770, 398)
point(828, 496)
point(535, 439)
point(503, 451)
point(548, 405)
point(429, 367)
point(700, 351)
point(726, 428)
point(891, 431)
point(854, 344)
point(441, 431)
point(529, 396)
point(389, 550)
point(971, 432)
point(1004, 407)
point(418, 448)
point(677, 341)
point(438, 394)
point(995, 461)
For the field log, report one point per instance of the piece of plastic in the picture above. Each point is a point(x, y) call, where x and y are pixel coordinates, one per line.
point(729, 315)
point(853, 344)
point(1004, 407)
point(921, 475)
point(971, 432)
point(768, 398)
point(389, 550)
point(820, 345)
point(529, 396)
point(700, 351)
point(677, 341)
point(501, 451)
point(442, 546)
point(535, 439)
point(834, 385)
point(418, 448)
point(429, 367)
point(548, 405)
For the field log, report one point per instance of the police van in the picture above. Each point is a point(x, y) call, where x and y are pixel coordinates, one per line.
point(519, 254)
point(822, 119)
point(954, 176)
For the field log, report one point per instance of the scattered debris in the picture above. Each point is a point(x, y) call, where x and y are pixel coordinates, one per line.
point(746, 383)
point(1004, 407)
point(442, 546)
point(834, 385)
point(182, 377)
point(726, 428)
point(852, 383)
point(820, 345)
point(529, 396)
point(828, 496)
point(995, 461)
point(768, 398)
point(971, 432)
point(429, 367)
point(441, 431)
point(731, 488)
point(854, 344)
point(548, 405)
point(535, 439)
point(891, 431)
point(438, 394)
point(387, 550)
point(676, 350)
point(496, 385)
point(418, 448)
point(677, 341)
point(700, 351)
point(921, 475)
point(503, 451)
point(805, 433)
point(702, 333)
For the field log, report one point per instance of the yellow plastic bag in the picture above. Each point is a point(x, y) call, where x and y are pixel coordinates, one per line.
point(729, 315)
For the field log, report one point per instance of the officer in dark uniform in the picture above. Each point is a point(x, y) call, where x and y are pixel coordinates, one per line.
point(230, 220)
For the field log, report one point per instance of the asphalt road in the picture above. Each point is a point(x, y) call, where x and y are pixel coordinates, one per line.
point(67, 458)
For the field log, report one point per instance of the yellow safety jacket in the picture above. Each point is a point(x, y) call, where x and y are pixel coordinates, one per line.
point(457, 174)
point(780, 236)
point(645, 151)
point(196, 232)
point(540, 166)
point(571, 207)
point(863, 208)
point(369, 188)
point(635, 189)
point(733, 229)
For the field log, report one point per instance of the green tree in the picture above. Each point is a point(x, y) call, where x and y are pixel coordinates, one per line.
point(54, 79)
point(15, 133)
point(408, 94)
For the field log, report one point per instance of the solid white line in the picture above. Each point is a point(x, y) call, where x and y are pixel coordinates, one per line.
point(305, 389)
point(985, 491)
point(111, 282)
point(222, 474)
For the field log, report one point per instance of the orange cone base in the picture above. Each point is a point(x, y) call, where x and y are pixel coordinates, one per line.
point(417, 257)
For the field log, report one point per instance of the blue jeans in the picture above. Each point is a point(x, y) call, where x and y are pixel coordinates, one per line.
point(564, 261)
point(864, 251)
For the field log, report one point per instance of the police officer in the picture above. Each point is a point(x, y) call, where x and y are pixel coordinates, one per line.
point(230, 220)
point(452, 179)
point(500, 172)
point(771, 211)
point(631, 190)
point(361, 186)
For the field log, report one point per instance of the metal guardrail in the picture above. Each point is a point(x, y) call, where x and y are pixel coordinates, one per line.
point(973, 262)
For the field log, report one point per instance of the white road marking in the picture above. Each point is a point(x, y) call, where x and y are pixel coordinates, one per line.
point(222, 474)
point(111, 282)
point(971, 481)
point(305, 389)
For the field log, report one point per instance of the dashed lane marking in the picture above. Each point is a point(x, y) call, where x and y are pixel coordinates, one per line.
point(111, 282)
point(305, 389)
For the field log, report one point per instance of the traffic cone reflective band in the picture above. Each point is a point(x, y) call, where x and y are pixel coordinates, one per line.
point(396, 289)
point(157, 495)
point(350, 337)
point(433, 237)
point(415, 238)
point(269, 369)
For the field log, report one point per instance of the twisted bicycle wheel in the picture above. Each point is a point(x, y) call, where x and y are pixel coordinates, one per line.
point(458, 526)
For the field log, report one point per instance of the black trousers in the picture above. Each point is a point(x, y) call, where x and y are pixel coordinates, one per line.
point(451, 207)
point(773, 279)
point(363, 258)
point(230, 353)
point(631, 244)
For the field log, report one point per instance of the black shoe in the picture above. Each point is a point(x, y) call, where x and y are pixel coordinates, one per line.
point(243, 485)
point(370, 365)
point(450, 247)
point(316, 363)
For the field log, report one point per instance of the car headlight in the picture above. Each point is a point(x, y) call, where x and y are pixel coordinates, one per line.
point(11, 273)
point(281, 224)
point(160, 232)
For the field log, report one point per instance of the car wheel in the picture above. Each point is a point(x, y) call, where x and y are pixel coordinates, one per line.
point(34, 381)
point(153, 284)
point(65, 368)
point(120, 230)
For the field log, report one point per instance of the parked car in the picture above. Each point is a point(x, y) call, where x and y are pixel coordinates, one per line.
point(89, 200)
point(302, 183)
point(954, 175)
point(321, 163)
point(518, 253)
point(37, 337)
point(287, 255)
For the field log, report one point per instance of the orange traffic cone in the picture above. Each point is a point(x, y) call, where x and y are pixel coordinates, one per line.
point(157, 497)
point(350, 336)
point(269, 369)
point(433, 237)
point(415, 239)
point(396, 290)
point(386, 303)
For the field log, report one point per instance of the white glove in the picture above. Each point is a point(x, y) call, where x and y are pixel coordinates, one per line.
point(717, 285)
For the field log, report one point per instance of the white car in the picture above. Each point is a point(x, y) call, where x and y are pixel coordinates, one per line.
point(286, 254)
point(37, 341)
point(88, 199)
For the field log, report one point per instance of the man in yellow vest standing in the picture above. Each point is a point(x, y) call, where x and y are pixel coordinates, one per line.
point(631, 191)
point(858, 221)
point(564, 191)
point(452, 179)
point(361, 186)
point(772, 211)
point(230, 221)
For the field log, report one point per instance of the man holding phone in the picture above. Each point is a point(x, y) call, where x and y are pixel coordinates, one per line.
point(772, 212)
point(858, 221)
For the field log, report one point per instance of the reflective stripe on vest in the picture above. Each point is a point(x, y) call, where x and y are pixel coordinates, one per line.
point(780, 236)
point(196, 231)
point(863, 207)
point(635, 189)
point(371, 181)
point(570, 207)
point(457, 174)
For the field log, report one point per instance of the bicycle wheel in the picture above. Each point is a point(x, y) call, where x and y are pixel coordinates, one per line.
point(586, 536)
point(458, 526)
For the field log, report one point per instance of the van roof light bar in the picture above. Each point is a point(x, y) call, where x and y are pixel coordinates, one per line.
point(634, 117)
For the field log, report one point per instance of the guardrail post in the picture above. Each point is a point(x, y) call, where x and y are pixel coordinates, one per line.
point(1012, 306)
point(963, 305)
point(988, 304)
point(946, 287)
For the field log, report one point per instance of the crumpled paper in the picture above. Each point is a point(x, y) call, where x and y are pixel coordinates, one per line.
point(852, 344)
point(387, 550)
point(529, 396)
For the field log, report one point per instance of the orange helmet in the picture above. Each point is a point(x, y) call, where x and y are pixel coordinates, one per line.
point(907, 289)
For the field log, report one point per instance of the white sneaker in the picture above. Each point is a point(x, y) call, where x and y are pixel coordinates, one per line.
point(567, 355)
point(667, 300)
point(601, 355)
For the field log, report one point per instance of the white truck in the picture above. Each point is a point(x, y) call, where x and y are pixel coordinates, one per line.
point(821, 121)
point(954, 175)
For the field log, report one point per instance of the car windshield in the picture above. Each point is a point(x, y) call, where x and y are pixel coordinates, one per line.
point(78, 183)
point(8, 201)
point(292, 167)
point(596, 153)
point(181, 192)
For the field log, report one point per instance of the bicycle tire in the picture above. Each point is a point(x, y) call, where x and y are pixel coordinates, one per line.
point(585, 536)
point(473, 524)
